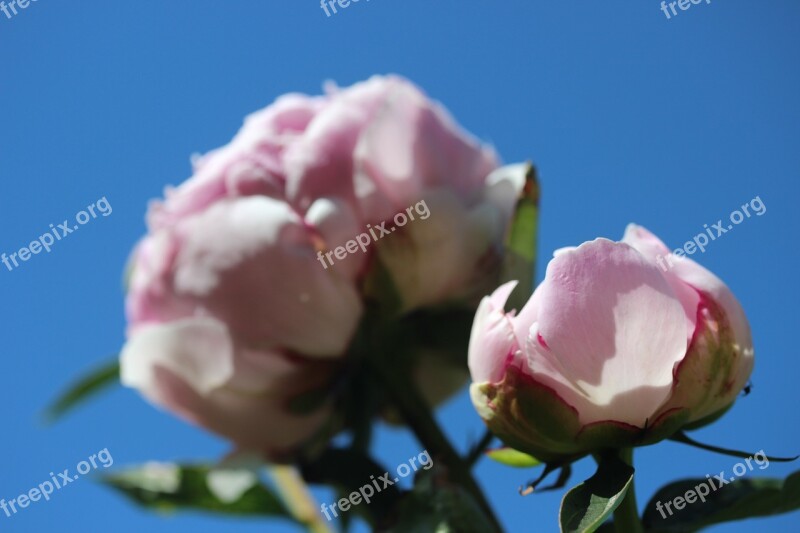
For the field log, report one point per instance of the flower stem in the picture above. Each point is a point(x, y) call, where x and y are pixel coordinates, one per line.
point(480, 448)
point(626, 516)
point(297, 497)
point(417, 414)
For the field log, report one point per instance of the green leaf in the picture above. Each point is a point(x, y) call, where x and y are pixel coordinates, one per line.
point(171, 487)
point(606, 527)
point(511, 457)
point(82, 390)
point(437, 505)
point(519, 261)
point(587, 506)
point(738, 500)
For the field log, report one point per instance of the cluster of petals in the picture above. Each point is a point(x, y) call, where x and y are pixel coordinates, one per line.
point(231, 316)
point(622, 339)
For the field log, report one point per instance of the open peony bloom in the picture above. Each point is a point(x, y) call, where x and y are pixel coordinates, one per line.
point(231, 318)
point(231, 314)
point(611, 350)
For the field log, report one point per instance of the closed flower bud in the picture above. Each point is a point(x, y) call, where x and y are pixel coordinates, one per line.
point(612, 350)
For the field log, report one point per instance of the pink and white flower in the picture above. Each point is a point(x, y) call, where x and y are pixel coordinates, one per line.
point(610, 350)
point(230, 315)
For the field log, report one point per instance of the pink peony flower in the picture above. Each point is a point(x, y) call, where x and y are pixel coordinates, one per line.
point(232, 316)
point(609, 351)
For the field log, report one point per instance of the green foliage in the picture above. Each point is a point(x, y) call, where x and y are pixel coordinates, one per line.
point(199, 487)
point(738, 500)
point(83, 389)
point(585, 507)
point(519, 261)
point(511, 457)
point(436, 505)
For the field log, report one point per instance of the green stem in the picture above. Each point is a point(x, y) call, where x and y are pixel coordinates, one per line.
point(417, 414)
point(685, 439)
point(626, 516)
point(480, 448)
point(298, 498)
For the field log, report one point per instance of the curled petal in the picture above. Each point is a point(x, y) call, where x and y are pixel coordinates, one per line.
point(492, 339)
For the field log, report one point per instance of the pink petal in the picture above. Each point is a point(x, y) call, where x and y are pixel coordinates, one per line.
point(658, 254)
point(612, 331)
point(411, 145)
point(257, 422)
point(336, 223)
point(192, 368)
point(226, 263)
point(704, 280)
point(438, 258)
point(199, 351)
point(320, 162)
point(492, 337)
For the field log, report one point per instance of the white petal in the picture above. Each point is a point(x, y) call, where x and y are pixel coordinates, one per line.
point(197, 350)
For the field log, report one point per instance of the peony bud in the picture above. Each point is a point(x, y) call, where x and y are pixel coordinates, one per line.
point(611, 350)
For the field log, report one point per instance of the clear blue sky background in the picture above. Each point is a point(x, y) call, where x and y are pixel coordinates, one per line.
point(629, 116)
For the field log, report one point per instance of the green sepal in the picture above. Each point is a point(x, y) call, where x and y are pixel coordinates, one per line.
point(532, 418)
point(511, 457)
point(519, 258)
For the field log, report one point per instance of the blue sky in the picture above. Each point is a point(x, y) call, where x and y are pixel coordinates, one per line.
point(629, 116)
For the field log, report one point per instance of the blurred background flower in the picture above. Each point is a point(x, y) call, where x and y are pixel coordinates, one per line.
point(232, 315)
